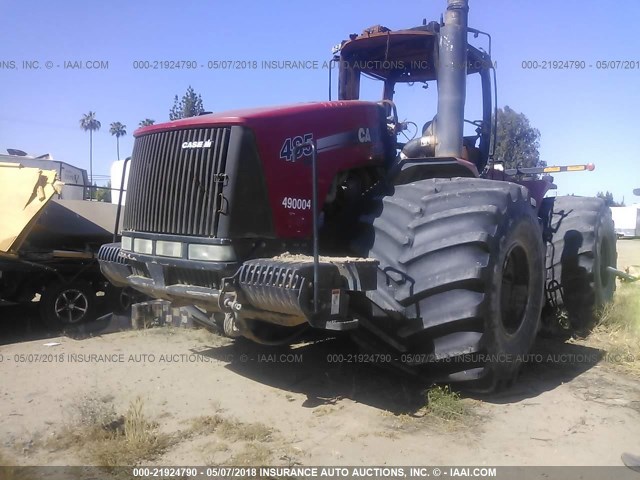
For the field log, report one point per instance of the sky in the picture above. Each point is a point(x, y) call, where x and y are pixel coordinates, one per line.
point(585, 115)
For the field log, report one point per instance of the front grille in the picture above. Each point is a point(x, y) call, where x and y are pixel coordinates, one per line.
point(177, 190)
point(139, 269)
point(187, 276)
point(111, 253)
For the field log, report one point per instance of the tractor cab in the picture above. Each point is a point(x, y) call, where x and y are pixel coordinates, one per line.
point(412, 56)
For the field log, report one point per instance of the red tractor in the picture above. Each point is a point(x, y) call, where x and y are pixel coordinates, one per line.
point(276, 220)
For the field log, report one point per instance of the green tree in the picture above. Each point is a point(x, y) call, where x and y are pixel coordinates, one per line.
point(517, 141)
point(118, 130)
point(103, 194)
point(608, 199)
point(89, 123)
point(146, 122)
point(189, 106)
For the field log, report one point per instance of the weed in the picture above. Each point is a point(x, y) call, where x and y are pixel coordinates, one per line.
point(105, 438)
point(445, 404)
point(618, 329)
point(252, 454)
point(8, 470)
point(623, 314)
point(229, 429)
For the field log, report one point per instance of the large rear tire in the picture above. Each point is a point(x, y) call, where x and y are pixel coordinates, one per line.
point(581, 245)
point(461, 277)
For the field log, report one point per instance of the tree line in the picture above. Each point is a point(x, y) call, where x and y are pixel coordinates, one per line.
point(190, 105)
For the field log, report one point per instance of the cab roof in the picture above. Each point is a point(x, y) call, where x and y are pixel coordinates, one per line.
point(402, 55)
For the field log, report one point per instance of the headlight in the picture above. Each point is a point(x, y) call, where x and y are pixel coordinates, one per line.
point(126, 243)
point(212, 253)
point(142, 245)
point(169, 249)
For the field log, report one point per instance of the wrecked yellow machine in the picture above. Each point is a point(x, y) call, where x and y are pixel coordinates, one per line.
point(48, 244)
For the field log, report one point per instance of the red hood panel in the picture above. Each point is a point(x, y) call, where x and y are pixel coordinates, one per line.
point(251, 116)
point(350, 135)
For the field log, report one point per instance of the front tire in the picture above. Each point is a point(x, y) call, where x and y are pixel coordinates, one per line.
point(461, 276)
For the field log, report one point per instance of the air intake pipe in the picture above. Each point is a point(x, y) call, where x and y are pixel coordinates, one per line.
point(452, 78)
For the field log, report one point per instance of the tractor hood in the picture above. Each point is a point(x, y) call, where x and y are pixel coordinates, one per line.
point(248, 151)
point(253, 117)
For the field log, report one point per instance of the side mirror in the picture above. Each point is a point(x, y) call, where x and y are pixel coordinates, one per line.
point(636, 191)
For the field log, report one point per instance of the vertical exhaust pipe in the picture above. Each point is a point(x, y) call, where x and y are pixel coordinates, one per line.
point(452, 79)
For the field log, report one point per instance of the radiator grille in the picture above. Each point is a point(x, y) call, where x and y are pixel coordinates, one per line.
point(111, 253)
point(177, 190)
point(139, 269)
point(186, 276)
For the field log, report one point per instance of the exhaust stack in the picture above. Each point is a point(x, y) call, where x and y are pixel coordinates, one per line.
point(452, 78)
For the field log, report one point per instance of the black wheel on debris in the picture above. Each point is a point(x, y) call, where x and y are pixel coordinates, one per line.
point(460, 280)
point(581, 246)
point(65, 304)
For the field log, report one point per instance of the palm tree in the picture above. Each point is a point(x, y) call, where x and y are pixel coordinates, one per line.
point(119, 130)
point(146, 122)
point(89, 123)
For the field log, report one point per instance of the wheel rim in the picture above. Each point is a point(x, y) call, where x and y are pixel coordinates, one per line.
point(514, 292)
point(71, 306)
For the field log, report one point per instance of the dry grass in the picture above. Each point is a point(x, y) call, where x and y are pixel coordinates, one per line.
point(240, 443)
point(230, 429)
point(12, 473)
point(253, 454)
point(391, 434)
point(623, 314)
point(5, 461)
point(92, 410)
point(323, 410)
point(104, 438)
point(8, 470)
point(199, 335)
point(618, 329)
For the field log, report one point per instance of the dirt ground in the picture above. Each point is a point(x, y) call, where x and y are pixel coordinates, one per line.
point(296, 406)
